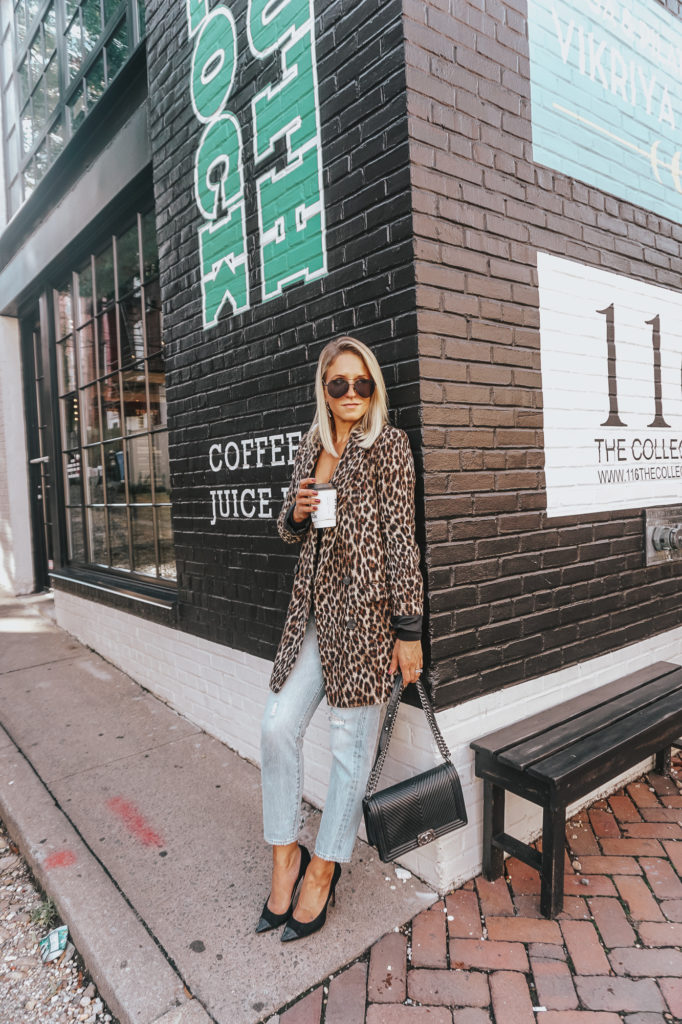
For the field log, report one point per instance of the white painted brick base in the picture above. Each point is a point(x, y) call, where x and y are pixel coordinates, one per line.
point(224, 691)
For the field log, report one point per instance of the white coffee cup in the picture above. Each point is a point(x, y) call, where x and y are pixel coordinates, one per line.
point(325, 513)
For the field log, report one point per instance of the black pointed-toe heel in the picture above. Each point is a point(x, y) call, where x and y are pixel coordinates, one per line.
point(298, 929)
point(270, 920)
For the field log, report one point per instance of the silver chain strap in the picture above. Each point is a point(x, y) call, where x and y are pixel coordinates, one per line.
point(389, 725)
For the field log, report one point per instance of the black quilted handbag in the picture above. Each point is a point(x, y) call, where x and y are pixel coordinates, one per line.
point(419, 810)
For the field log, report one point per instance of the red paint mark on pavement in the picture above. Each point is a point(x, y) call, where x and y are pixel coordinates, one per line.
point(60, 859)
point(134, 821)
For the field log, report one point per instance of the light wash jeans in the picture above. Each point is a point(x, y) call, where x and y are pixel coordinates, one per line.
point(353, 734)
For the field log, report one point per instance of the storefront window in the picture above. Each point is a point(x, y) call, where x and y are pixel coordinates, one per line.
point(114, 438)
point(58, 58)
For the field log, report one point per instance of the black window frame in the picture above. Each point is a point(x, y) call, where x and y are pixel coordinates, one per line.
point(144, 360)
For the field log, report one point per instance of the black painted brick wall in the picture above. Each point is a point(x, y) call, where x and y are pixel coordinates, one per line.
point(512, 594)
point(253, 373)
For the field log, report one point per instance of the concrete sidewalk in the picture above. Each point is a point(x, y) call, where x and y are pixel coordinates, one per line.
point(147, 834)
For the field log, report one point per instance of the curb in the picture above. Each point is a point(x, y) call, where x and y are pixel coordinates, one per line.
point(130, 971)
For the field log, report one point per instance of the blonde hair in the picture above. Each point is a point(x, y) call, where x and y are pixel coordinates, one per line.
point(372, 423)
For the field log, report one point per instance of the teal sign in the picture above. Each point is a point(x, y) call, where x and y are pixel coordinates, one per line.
point(606, 97)
point(291, 239)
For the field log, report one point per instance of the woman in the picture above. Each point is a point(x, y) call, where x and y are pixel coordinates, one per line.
point(353, 620)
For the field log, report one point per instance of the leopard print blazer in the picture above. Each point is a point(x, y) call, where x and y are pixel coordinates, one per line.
point(368, 569)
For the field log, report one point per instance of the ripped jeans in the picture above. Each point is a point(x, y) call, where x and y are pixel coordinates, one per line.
point(352, 740)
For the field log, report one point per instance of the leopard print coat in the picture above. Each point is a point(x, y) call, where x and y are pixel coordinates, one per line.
point(368, 569)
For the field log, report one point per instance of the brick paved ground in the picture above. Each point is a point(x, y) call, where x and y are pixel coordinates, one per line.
point(485, 954)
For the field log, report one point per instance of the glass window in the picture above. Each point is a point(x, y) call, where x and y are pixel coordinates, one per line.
point(50, 30)
point(94, 475)
point(113, 408)
point(107, 341)
point(55, 67)
point(132, 334)
point(64, 310)
point(166, 549)
point(95, 80)
point(139, 470)
point(75, 534)
point(97, 535)
point(70, 421)
point(142, 522)
point(91, 421)
point(118, 535)
point(153, 317)
point(86, 353)
point(76, 107)
point(104, 276)
point(117, 51)
point(73, 479)
point(74, 50)
point(92, 24)
point(56, 140)
point(85, 304)
point(52, 86)
point(111, 7)
point(66, 365)
point(128, 261)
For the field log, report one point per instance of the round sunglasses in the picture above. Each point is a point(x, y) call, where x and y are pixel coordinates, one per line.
point(338, 387)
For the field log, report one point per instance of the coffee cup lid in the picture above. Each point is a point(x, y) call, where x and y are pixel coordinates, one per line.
point(324, 487)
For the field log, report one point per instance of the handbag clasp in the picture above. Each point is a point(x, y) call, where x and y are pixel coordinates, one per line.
point(426, 837)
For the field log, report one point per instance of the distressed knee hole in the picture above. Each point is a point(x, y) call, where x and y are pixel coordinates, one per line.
point(273, 709)
point(335, 720)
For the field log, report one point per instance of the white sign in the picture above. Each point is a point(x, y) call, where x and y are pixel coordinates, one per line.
point(611, 352)
point(250, 453)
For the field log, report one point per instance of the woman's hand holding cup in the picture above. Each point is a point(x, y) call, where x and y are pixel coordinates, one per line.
point(306, 499)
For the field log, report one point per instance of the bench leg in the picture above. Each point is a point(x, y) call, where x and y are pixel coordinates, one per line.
point(664, 761)
point(552, 878)
point(493, 825)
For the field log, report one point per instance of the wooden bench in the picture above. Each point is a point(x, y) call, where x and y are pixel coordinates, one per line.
point(559, 756)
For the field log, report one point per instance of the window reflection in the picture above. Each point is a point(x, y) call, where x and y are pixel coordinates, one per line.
point(166, 550)
point(73, 47)
point(94, 477)
point(66, 365)
point(111, 406)
point(114, 469)
point(91, 421)
point(128, 259)
point(161, 466)
point(106, 340)
point(150, 255)
point(142, 521)
point(139, 469)
point(97, 537)
point(104, 276)
point(73, 481)
point(70, 424)
point(152, 300)
point(76, 536)
point(118, 538)
point(132, 339)
point(135, 399)
point(64, 311)
point(157, 400)
point(85, 305)
point(86, 353)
